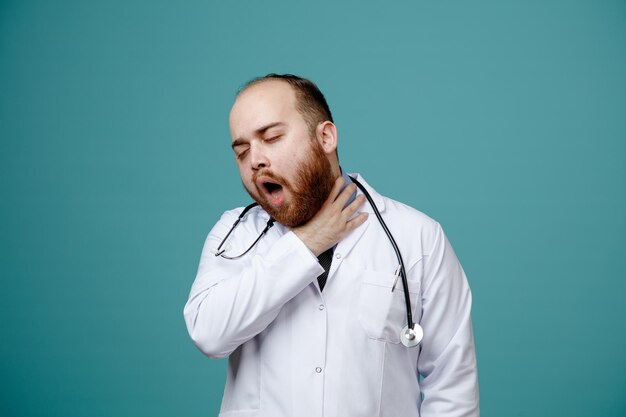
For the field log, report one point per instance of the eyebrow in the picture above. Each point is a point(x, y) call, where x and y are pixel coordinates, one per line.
point(258, 132)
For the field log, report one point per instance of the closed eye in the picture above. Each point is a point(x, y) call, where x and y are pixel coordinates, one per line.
point(272, 139)
point(241, 153)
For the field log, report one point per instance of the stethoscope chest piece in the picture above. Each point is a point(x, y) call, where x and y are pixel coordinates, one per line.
point(411, 337)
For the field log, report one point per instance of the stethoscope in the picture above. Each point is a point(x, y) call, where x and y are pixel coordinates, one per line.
point(411, 335)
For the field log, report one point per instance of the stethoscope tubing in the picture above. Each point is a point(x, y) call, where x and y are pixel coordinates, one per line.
point(268, 226)
point(405, 283)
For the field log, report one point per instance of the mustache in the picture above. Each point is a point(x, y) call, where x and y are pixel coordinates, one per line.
point(266, 172)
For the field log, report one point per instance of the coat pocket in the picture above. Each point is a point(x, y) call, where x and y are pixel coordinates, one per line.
point(382, 312)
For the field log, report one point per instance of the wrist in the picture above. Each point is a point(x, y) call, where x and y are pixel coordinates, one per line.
point(308, 241)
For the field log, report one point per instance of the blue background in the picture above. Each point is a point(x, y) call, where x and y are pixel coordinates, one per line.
point(505, 121)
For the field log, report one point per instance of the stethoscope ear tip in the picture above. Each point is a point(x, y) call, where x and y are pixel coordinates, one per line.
point(411, 337)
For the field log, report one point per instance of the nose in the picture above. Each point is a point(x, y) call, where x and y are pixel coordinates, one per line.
point(258, 158)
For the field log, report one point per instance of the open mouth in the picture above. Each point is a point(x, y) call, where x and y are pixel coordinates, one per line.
point(273, 191)
point(272, 187)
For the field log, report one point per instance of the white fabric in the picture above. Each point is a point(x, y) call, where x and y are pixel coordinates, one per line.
point(296, 352)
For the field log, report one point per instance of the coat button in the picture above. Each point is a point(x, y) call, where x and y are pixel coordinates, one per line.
point(321, 306)
point(318, 369)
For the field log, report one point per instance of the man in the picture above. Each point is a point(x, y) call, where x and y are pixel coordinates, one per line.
point(311, 315)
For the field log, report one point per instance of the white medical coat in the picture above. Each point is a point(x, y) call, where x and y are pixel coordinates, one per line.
point(295, 351)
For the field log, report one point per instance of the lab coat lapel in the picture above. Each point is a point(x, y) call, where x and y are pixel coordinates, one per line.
point(349, 241)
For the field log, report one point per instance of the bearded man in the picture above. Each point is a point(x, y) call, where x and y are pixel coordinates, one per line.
point(301, 291)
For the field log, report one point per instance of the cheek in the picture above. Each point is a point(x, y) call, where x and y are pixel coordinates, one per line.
point(290, 167)
point(294, 158)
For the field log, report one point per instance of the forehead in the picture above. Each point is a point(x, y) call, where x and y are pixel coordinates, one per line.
point(261, 104)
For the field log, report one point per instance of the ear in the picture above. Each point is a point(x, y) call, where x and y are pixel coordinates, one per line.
point(326, 133)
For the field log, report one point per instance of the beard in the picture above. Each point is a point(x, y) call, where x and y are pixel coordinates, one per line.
point(309, 190)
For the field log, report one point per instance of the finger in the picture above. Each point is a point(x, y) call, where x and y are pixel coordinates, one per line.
point(354, 206)
point(344, 196)
point(339, 182)
point(356, 222)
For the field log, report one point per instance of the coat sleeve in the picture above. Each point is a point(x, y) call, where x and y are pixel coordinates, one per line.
point(447, 361)
point(232, 301)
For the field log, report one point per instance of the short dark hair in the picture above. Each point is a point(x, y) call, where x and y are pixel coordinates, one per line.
point(311, 103)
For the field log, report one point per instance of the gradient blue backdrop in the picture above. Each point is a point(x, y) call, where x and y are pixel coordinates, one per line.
point(503, 120)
